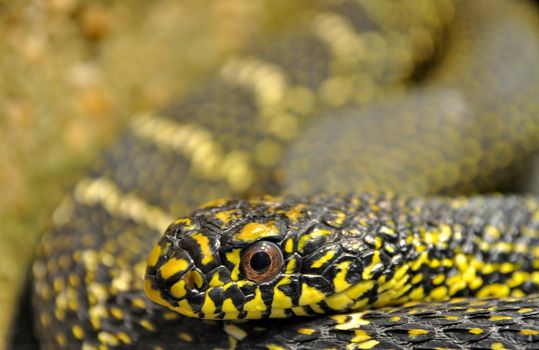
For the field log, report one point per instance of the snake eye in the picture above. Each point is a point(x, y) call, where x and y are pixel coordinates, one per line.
point(262, 261)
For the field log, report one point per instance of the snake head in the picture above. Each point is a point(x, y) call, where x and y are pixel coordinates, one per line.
point(262, 258)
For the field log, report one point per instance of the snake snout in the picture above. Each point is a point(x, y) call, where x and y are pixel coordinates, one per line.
point(174, 268)
point(171, 275)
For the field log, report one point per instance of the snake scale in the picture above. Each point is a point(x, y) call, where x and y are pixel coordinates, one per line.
point(414, 97)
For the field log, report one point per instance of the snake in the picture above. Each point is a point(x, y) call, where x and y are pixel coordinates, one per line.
point(344, 140)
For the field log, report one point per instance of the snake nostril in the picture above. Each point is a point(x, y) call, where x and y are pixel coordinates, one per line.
point(193, 279)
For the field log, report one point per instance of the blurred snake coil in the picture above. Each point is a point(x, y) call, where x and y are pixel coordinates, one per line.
point(366, 115)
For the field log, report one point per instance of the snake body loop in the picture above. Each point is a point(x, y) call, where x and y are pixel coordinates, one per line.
point(418, 97)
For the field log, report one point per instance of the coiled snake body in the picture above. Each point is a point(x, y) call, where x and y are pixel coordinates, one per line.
point(321, 108)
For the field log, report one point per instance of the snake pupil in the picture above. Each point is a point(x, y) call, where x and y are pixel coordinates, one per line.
point(260, 262)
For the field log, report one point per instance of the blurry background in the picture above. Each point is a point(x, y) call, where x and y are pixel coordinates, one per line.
point(72, 72)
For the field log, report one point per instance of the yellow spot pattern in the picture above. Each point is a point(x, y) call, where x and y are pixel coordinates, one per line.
point(322, 260)
point(154, 255)
point(234, 258)
point(339, 282)
point(306, 331)
point(172, 267)
point(178, 289)
point(415, 332)
point(499, 318)
point(476, 331)
point(317, 232)
point(255, 304)
point(254, 231)
point(185, 336)
point(310, 295)
point(205, 249)
point(280, 299)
